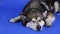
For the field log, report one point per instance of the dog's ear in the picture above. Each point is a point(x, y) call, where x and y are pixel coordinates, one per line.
point(45, 14)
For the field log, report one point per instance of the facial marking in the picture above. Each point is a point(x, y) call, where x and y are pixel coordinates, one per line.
point(38, 18)
point(31, 25)
point(33, 19)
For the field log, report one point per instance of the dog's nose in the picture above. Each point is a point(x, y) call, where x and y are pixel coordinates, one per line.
point(38, 27)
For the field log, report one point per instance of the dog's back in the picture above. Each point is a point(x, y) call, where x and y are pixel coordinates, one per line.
point(32, 5)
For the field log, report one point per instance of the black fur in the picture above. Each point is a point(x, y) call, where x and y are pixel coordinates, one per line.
point(33, 9)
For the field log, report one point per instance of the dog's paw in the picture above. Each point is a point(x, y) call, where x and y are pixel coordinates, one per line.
point(13, 20)
point(49, 21)
point(16, 19)
point(48, 24)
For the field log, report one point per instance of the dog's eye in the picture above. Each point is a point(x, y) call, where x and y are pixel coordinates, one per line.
point(39, 20)
point(33, 21)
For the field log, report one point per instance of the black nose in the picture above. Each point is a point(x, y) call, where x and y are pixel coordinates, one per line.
point(38, 27)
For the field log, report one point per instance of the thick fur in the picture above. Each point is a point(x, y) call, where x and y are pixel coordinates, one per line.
point(34, 9)
point(38, 13)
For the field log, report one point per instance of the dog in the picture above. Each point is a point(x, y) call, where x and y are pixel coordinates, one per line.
point(38, 13)
point(32, 15)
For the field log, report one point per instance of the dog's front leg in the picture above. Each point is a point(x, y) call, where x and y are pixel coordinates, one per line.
point(13, 20)
point(49, 20)
point(18, 18)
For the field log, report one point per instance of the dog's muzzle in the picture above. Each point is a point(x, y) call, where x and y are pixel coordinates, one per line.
point(35, 26)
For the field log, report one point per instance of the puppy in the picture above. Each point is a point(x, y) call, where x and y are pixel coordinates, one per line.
point(32, 15)
point(38, 13)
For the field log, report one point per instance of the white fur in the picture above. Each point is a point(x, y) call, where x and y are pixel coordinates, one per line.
point(14, 19)
point(50, 20)
point(33, 19)
point(56, 4)
point(31, 25)
point(45, 14)
point(41, 24)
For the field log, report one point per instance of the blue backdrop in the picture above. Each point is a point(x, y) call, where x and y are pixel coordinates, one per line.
point(12, 8)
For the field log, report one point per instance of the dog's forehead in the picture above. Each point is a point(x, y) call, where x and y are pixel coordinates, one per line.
point(34, 19)
point(38, 18)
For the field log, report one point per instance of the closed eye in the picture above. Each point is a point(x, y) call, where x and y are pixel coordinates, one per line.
point(39, 20)
point(33, 21)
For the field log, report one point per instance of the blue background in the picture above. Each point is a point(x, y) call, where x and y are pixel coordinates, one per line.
point(12, 8)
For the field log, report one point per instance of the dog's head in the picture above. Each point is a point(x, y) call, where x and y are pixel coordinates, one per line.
point(35, 13)
point(34, 16)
